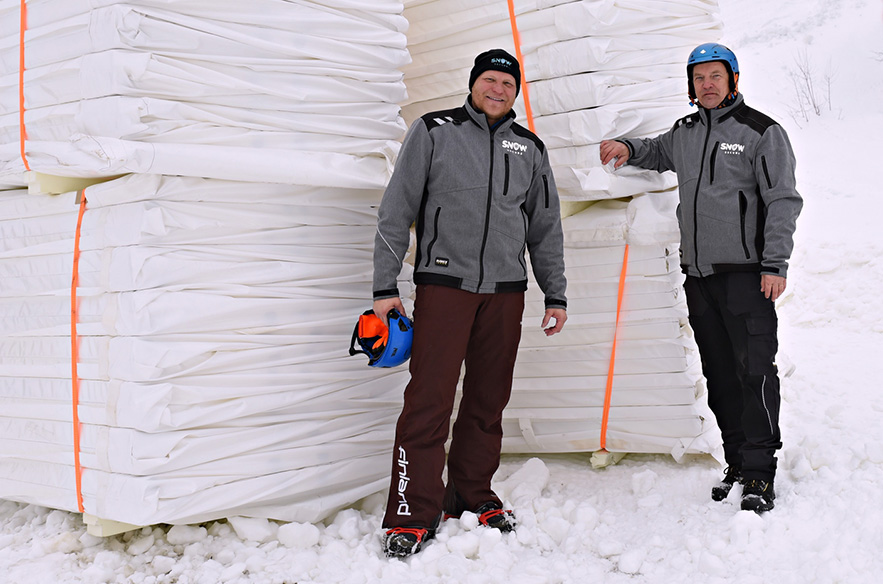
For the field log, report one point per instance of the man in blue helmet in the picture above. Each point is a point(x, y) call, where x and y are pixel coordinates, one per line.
point(480, 190)
point(737, 214)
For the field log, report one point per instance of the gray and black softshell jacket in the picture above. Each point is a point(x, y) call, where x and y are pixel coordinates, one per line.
point(738, 198)
point(480, 198)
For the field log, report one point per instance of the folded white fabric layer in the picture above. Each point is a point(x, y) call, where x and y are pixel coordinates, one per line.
point(596, 70)
point(215, 305)
point(213, 315)
point(213, 350)
point(190, 88)
point(560, 382)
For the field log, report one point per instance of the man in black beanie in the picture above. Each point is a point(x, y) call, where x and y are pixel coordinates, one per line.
point(494, 83)
point(496, 60)
point(480, 190)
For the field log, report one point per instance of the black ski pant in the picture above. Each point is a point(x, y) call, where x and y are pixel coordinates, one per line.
point(735, 328)
point(452, 326)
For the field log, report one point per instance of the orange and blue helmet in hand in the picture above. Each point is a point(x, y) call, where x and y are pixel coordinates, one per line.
point(385, 346)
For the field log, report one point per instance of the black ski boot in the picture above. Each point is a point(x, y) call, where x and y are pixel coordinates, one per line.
point(758, 496)
point(400, 542)
point(732, 475)
point(493, 515)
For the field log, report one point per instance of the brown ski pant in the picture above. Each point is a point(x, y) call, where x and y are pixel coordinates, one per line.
point(451, 326)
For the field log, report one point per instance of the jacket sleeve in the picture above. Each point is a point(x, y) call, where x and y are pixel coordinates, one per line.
point(651, 153)
point(545, 236)
point(399, 208)
point(774, 166)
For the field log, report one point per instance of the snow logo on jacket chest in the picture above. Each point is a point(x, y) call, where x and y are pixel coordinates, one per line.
point(732, 148)
point(514, 147)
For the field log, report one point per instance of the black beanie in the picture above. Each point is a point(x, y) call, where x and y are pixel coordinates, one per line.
point(496, 60)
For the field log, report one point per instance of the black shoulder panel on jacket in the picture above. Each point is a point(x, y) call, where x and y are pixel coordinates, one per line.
point(456, 115)
point(686, 121)
point(754, 119)
point(520, 130)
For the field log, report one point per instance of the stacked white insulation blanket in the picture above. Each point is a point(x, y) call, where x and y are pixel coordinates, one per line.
point(214, 315)
point(301, 92)
point(216, 307)
point(596, 69)
point(561, 383)
point(213, 323)
point(214, 378)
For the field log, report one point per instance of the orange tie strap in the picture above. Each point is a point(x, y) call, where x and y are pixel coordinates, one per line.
point(517, 38)
point(75, 380)
point(23, 134)
point(609, 389)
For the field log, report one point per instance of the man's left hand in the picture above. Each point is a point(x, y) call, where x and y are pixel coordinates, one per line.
point(772, 286)
point(560, 316)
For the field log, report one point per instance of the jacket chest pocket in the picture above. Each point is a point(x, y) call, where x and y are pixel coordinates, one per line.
point(429, 247)
point(713, 162)
point(743, 213)
point(506, 171)
point(729, 162)
point(512, 179)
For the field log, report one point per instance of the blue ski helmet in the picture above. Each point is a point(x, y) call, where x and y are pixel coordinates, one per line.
point(707, 53)
point(385, 346)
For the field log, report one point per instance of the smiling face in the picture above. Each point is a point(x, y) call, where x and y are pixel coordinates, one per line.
point(711, 82)
point(494, 93)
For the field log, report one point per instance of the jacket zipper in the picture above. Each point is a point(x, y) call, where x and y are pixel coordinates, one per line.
point(696, 195)
point(743, 210)
point(766, 172)
point(546, 190)
point(487, 214)
point(434, 237)
point(506, 177)
point(713, 158)
point(526, 225)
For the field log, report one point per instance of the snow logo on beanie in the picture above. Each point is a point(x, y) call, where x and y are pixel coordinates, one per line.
point(496, 60)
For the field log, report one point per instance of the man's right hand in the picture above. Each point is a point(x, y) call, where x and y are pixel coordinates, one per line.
point(613, 150)
point(384, 305)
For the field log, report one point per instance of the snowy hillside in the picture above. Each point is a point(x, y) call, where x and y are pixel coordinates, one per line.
point(647, 519)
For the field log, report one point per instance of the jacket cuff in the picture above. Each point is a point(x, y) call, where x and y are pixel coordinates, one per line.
point(772, 271)
point(388, 293)
point(556, 303)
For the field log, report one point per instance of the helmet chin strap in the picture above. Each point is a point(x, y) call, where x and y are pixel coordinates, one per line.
point(735, 91)
point(728, 100)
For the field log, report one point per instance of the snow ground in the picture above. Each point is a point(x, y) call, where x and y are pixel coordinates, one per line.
point(647, 519)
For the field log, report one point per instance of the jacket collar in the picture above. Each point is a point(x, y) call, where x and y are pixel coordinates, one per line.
point(481, 119)
point(719, 115)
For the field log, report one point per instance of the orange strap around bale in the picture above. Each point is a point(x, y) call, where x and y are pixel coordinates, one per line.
point(609, 389)
point(75, 350)
point(23, 134)
point(517, 38)
point(530, 123)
